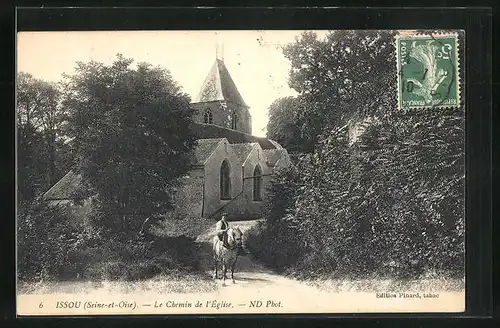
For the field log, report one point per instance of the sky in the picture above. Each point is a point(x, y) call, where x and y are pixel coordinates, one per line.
point(254, 58)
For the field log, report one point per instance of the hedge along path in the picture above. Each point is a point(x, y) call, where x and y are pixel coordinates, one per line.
point(254, 284)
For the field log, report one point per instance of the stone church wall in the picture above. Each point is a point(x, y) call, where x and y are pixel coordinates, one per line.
point(244, 206)
point(219, 115)
point(283, 162)
point(244, 122)
point(212, 178)
point(222, 117)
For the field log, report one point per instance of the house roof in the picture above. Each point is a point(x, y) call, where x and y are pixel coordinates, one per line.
point(273, 155)
point(242, 150)
point(275, 144)
point(233, 136)
point(65, 188)
point(241, 144)
point(219, 86)
point(205, 148)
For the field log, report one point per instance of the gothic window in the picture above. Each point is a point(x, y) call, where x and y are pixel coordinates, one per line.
point(225, 181)
point(234, 119)
point(257, 183)
point(208, 117)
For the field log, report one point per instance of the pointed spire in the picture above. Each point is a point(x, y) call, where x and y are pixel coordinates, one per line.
point(219, 86)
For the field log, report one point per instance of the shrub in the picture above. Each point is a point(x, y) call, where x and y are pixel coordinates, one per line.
point(389, 204)
point(276, 241)
point(275, 245)
point(49, 247)
point(143, 258)
point(48, 243)
point(178, 224)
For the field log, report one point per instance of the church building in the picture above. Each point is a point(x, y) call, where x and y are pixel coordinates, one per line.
point(232, 168)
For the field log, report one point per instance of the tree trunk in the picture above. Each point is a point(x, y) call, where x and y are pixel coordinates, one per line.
point(52, 159)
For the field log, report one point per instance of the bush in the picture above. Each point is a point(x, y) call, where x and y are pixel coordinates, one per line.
point(49, 247)
point(275, 241)
point(143, 258)
point(179, 223)
point(275, 245)
point(389, 204)
point(48, 243)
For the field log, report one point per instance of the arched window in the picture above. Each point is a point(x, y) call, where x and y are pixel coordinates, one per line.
point(208, 118)
point(225, 181)
point(234, 119)
point(257, 183)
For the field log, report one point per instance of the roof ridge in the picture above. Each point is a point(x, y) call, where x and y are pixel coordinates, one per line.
point(211, 138)
point(58, 183)
point(219, 86)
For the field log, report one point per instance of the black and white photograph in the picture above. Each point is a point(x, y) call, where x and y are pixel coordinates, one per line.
point(240, 172)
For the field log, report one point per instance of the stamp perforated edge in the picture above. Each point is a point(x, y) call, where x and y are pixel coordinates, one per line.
point(414, 34)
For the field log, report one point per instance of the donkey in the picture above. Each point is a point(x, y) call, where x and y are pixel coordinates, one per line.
point(227, 255)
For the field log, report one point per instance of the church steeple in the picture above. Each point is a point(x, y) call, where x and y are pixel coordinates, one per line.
point(219, 86)
point(219, 102)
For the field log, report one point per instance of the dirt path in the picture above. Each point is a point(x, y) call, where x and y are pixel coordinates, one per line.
point(248, 272)
point(254, 282)
point(256, 290)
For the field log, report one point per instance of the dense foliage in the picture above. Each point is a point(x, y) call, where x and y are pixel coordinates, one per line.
point(347, 74)
point(129, 129)
point(45, 241)
point(381, 192)
point(390, 204)
point(42, 155)
point(277, 241)
point(125, 130)
point(283, 125)
point(52, 247)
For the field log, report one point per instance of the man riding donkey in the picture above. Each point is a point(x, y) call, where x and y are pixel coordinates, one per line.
point(221, 229)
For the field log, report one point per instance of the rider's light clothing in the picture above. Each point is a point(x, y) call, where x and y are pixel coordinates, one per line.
point(220, 229)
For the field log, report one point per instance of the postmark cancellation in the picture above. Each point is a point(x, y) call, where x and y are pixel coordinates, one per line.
point(428, 70)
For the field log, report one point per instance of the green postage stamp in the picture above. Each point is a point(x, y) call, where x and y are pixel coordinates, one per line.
point(428, 70)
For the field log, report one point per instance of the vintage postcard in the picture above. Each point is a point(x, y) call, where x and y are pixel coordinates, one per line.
point(237, 172)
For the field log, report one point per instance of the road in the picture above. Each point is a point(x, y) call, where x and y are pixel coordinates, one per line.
point(250, 276)
point(256, 290)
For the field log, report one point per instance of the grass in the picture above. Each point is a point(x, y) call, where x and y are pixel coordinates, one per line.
point(161, 284)
point(388, 285)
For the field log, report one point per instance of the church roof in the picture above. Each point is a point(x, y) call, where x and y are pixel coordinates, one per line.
point(275, 144)
point(205, 148)
point(273, 155)
point(233, 136)
point(64, 188)
point(242, 150)
point(219, 86)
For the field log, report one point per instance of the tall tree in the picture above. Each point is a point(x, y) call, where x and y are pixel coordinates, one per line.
point(130, 129)
point(381, 195)
point(340, 77)
point(284, 124)
point(39, 122)
point(31, 163)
